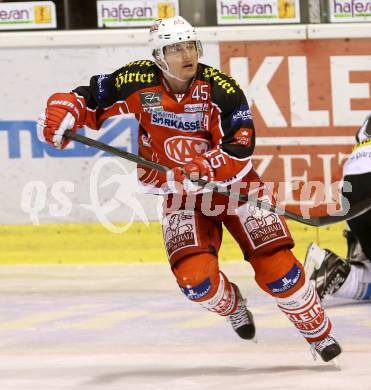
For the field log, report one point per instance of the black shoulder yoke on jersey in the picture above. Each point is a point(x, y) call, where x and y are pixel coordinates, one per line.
point(235, 114)
point(224, 88)
point(106, 89)
point(136, 75)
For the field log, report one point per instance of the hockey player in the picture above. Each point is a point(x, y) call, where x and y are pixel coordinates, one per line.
point(195, 119)
point(350, 277)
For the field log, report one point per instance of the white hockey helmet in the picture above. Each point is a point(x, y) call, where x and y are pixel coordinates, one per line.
point(164, 32)
point(364, 133)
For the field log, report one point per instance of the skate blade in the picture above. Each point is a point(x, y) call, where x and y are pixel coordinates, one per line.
point(254, 340)
point(336, 364)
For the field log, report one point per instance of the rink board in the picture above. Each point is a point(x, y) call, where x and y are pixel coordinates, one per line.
point(308, 96)
point(93, 244)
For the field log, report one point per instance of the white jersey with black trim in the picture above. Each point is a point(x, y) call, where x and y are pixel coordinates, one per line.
point(359, 161)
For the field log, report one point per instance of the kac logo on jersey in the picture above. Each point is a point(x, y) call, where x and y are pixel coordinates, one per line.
point(182, 122)
point(183, 149)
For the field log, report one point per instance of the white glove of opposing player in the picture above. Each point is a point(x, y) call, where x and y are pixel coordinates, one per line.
point(67, 123)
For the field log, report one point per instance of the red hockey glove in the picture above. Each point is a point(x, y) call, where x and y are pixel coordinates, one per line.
point(180, 178)
point(64, 111)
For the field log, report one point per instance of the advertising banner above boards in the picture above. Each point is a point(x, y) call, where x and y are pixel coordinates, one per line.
point(258, 11)
point(350, 11)
point(134, 13)
point(27, 15)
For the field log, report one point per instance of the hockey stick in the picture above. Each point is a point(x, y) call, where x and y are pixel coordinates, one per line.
point(361, 207)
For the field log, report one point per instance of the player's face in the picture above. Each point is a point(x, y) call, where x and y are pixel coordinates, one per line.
point(182, 59)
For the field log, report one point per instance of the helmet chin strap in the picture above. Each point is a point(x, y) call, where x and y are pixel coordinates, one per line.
point(168, 73)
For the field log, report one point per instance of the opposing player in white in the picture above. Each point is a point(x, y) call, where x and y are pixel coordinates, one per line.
point(350, 277)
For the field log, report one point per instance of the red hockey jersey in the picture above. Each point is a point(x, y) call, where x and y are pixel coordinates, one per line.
point(211, 119)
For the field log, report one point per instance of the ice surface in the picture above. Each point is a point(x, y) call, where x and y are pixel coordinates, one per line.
point(129, 327)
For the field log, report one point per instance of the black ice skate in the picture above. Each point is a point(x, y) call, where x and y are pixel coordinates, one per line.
point(355, 253)
point(327, 348)
point(330, 270)
point(242, 320)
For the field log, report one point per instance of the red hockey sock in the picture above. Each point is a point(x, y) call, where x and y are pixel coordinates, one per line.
point(304, 309)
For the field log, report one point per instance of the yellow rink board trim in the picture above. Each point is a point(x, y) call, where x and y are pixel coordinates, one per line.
point(93, 244)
